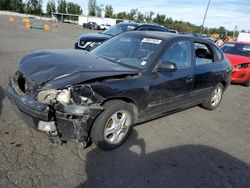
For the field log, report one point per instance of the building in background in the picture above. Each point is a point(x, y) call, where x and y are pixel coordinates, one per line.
point(80, 19)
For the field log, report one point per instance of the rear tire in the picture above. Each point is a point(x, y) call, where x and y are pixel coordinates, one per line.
point(215, 98)
point(247, 83)
point(113, 126)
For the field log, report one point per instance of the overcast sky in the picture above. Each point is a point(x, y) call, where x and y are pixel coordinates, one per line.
point(227, 13)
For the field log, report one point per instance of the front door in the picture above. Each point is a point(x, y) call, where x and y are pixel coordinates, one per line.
point(170, 90)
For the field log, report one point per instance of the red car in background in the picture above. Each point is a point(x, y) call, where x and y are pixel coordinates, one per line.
point(238, 53)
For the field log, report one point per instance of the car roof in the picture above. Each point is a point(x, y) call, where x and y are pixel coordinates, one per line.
point(141, 24)
point(166, 36)
point(129, 23)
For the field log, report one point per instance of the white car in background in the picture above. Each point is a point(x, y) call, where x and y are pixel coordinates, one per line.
point(105, 26)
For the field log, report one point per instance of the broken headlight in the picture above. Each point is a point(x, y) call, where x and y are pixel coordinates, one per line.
point(83, 95)
point(80, 95)
point(52, 96)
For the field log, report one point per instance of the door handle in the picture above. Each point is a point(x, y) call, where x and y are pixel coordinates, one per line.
point(189, 79)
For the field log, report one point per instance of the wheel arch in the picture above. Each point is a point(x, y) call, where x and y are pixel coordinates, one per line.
point(224, 83)
point(131, 102)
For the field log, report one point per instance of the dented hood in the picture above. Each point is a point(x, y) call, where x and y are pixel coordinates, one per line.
point(60, 68)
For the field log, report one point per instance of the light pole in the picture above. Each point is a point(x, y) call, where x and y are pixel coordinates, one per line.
point(205, 16)
point(235, 29)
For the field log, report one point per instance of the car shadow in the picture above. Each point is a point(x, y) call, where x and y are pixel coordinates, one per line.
point(182, 166)
point(2, 95)
point(236, 84)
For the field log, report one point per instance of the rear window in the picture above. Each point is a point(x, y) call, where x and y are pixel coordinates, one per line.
point(203, 54)
point(236, 49)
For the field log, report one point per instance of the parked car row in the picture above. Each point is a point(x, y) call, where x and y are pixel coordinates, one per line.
point(91, 25)
point(95, 26)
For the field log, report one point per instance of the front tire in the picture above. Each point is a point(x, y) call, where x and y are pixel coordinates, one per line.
point(113, 126)
point(215, 98)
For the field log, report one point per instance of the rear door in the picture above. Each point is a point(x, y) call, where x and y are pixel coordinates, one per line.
point(205, 70)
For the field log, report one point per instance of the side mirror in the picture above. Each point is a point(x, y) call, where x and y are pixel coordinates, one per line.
point(167, 67)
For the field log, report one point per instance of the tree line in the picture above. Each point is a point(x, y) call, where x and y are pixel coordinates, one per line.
point(35, 7)
point(29, 7)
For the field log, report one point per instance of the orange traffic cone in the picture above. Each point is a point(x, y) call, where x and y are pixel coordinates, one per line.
point(46, 27)
point(27, 24)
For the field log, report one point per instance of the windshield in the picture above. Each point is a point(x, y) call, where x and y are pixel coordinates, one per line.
point(131, 50)
point(236, 49)
point(117, 29)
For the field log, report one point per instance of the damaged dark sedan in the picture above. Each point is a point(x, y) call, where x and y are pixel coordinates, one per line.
point(131, 78)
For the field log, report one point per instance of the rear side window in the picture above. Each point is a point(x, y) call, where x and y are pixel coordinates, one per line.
point(203, 54)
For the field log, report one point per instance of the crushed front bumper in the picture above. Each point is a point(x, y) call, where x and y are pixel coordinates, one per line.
point(72, 122)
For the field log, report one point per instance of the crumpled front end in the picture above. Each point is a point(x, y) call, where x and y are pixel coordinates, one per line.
point(67, 113)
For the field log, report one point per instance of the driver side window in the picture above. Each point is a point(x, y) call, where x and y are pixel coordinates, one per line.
point(178, 53)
